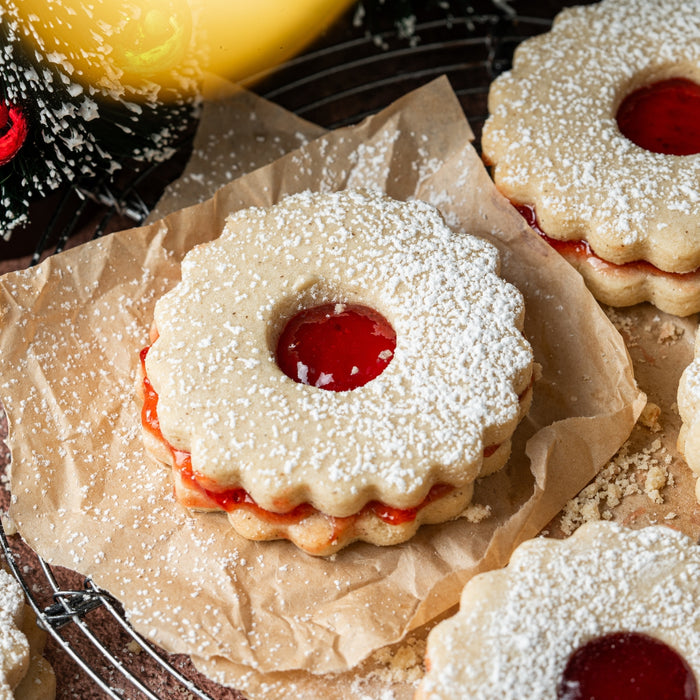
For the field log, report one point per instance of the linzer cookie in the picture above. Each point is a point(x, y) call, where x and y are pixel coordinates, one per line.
point(24, 673)
point(608, 613)
point(595, 136)
point(14, 646)
point(689, 409)
point(337, 367)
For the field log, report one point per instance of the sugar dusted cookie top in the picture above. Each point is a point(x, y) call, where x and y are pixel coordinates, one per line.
point(517, 627)
point(555, 143)
point(450, 390)
point(14, 647)
point(689, 409)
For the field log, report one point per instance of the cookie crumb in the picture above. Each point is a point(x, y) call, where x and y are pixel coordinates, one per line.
point(624, 324)
point(649, 417)
point(653, 483)
point(643, 472)
point(399, 665)
point(669, 332)
point(476, 512)
point(134, 647)
point(8, 524)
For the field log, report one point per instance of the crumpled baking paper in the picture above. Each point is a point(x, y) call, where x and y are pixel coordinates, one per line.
point(86, 497)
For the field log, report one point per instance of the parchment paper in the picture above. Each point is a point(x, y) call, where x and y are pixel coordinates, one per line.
point(86, 497)
point(238, 133)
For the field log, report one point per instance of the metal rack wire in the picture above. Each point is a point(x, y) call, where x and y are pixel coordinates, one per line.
point(70, 608)
point(332, 85)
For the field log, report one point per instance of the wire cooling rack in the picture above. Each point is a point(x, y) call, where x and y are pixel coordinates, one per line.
point(341, 80)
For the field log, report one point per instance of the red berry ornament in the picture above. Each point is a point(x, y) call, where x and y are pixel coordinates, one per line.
point(337, 347)
point(13, 131)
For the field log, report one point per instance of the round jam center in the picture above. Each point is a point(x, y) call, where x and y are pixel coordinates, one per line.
point(627, 666)
point(336, 346)
point(663, 117)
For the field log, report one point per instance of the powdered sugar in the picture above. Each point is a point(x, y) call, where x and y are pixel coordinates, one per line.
point(450, 390)
point(692, 378)
point(689, 409)
point(14, 647)
point(517, 627)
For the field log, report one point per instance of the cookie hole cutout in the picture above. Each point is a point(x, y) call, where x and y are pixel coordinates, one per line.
point(336, 346)
point(663, 117)
point(627, 665)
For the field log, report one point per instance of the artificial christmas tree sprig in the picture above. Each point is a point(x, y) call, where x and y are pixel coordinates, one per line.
point(86, 87)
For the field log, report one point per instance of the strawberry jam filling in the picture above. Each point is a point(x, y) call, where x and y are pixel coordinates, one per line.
point(663, 117)
point(202, 493)
point(581, 249)
point(629, 666)
point(337, 347)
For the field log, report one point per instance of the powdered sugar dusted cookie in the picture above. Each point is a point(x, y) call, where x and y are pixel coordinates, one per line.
point(339, 366)
point(595, 132)
point(14, 647)
point(39, 682)
point(689, 408)
point(609, 613)
point(24, 672)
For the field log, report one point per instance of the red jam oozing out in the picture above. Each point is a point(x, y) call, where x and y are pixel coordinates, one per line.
point(337, 347)
point(581, 248)
point(527, 211)
point(232, 498)
point(627, 666)
point(663, 117)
